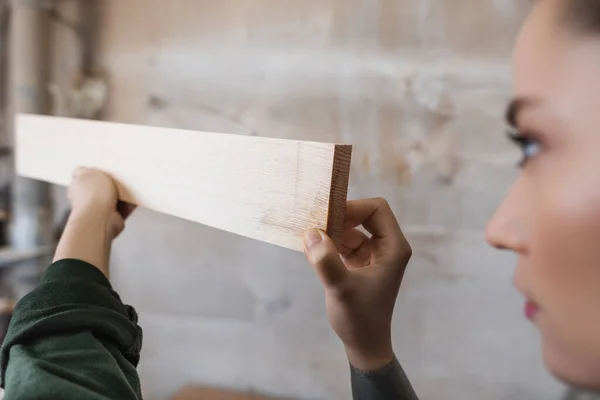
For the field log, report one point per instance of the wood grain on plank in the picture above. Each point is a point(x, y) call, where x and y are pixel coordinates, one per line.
point(209, 393)
point(267, 189)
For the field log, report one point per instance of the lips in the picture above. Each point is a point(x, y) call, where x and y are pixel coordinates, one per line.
point(531, 310)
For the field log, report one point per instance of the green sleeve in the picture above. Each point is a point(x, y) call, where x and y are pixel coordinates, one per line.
point(72, 338)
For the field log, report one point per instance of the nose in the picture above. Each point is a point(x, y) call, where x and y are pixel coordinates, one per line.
point(496, 233)
point(507, 229)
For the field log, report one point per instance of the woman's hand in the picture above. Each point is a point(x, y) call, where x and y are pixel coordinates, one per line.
point(362, 281)
point(97, 218)
point(93, 192)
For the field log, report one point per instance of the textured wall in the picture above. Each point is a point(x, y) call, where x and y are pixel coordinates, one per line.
point(419, 87)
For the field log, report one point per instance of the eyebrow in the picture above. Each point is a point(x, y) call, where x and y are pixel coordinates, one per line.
point(516, 107)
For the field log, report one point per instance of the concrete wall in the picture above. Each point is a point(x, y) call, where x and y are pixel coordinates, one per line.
point(419, 87)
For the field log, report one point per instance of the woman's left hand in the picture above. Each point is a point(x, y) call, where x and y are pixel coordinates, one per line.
point(95, 192)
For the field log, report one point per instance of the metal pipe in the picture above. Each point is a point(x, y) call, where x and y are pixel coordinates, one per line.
point(90, 12)
point(31, 208)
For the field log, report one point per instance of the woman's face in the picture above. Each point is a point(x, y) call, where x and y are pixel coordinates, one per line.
point(551, 216)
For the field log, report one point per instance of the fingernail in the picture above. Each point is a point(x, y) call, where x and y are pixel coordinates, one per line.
point(312, 237)
point(79, 171)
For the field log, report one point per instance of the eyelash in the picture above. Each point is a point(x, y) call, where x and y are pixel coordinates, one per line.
point(525, 143)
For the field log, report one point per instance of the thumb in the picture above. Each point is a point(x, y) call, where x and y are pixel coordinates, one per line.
point(323, 255)
point(116, 225)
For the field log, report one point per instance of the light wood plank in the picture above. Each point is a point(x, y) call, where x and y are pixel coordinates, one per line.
point(267, 189)
point(211, 393)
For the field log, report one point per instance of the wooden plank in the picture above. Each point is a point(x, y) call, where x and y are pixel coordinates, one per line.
point(267, 189)
point(210, 393)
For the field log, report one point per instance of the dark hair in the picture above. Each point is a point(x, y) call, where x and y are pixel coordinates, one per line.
point(584, 15)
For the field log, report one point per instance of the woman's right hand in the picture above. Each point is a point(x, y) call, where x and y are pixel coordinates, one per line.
point(362, 281)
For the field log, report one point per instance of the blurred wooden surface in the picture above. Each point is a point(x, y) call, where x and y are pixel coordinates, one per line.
point(208, 393)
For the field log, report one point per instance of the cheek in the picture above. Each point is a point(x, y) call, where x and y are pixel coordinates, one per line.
point(565, 234)
point(565, 254)
point(563, 265)
point(565, 221)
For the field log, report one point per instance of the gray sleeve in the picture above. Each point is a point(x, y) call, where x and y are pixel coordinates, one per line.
point(387, 383)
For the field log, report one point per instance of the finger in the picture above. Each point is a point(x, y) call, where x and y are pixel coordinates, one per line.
point(375, 215)
point(352, 240)
point(324, 257)
point(117, 225)
point(79, 171)
point(361, 257)
point(125, 209)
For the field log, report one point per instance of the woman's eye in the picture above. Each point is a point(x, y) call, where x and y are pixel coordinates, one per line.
point(528, 145)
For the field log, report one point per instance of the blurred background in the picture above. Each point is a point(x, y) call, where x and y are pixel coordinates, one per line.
point(418, 86)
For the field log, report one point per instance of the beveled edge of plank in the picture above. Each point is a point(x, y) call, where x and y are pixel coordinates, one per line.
point(237, 135)
point(340, 176)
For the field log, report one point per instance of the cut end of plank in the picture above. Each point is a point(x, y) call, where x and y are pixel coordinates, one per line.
point(338, 193)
